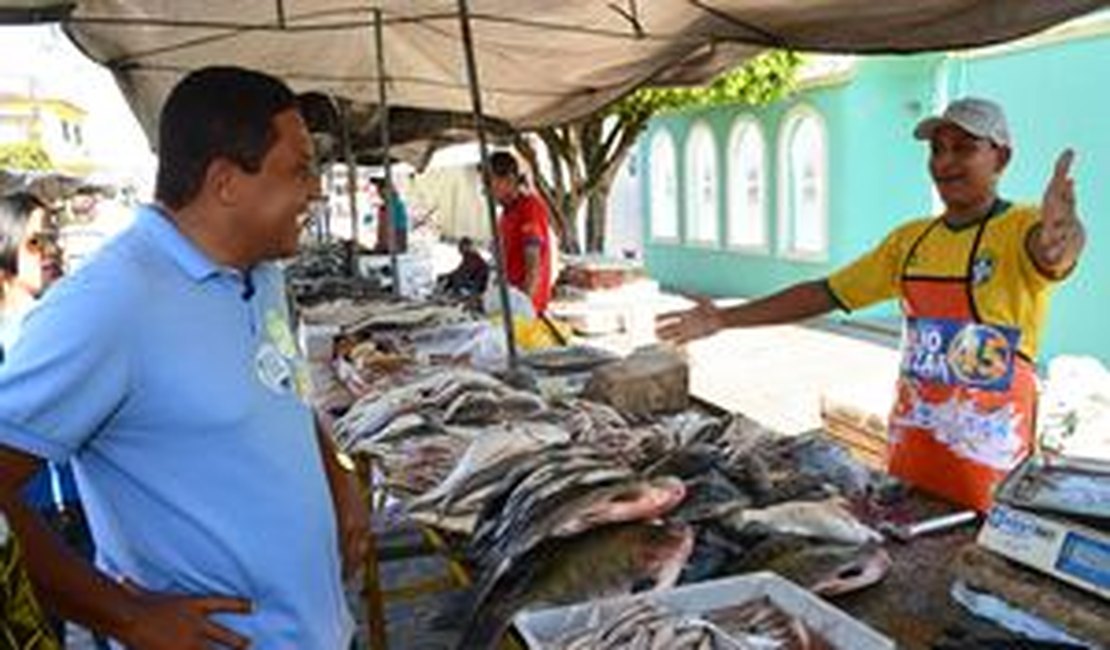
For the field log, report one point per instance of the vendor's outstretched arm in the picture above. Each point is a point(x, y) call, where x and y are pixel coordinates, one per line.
point(795, 303)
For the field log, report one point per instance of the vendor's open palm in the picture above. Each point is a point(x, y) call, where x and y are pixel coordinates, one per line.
point(684, 326)
point(1060, 225)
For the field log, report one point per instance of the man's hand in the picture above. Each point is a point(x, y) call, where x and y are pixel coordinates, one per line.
point(354, 524)
point(170, 622)
point(1060, 237)
point(682, 326)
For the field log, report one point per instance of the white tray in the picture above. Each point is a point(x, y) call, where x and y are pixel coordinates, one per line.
point(541, 628)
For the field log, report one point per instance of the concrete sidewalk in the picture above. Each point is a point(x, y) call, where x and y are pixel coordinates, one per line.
point(779, 375)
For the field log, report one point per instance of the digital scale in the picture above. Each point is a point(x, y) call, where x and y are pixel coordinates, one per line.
point(1053, 515)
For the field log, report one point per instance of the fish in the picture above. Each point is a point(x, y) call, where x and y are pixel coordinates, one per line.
point(831, 570)
point(603, 562)
point(501, 526)
point(489, 457)
point(760, 623)
point(622, 502)
point(829, 520)
point(474, 407)
point(639, 625)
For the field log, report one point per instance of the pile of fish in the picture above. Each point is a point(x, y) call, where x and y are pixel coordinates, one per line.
point(320, 274)
point(606, 561)
point(761, 624)
point(560, 493)
point(640, 624)
point(643, 624)
point(569, 501)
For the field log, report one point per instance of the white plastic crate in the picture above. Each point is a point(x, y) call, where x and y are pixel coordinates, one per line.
point(542, 628)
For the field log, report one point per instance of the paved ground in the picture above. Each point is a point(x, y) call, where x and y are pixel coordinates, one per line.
point(779, 375)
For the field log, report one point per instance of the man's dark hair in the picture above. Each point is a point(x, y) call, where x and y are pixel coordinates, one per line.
point(502, 164)
point(216, 112)
point(15, 212)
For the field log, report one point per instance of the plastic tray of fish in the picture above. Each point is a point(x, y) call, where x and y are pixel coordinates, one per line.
point(827, 626)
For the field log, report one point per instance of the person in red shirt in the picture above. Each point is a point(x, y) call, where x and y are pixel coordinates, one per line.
point(523, 230)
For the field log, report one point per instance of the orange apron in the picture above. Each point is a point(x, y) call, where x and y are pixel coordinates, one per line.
point(965, 406)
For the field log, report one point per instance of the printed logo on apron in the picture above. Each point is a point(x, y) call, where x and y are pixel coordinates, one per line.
point(960, 353)
point(983, 435)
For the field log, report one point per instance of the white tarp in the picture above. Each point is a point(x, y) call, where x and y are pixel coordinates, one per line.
point(540, 61)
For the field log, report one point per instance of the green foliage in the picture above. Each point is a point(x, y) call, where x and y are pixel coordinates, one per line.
point(24, 156)
point(760, 80)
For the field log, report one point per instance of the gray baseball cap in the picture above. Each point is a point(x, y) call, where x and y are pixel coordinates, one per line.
point(979, 117)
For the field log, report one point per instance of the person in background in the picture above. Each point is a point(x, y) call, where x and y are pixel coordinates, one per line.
point(393, 220)
point(30, 261)
point(974, 285)
point(166, 371)
point(471, 276)
point(23, 623)
point(523, 230)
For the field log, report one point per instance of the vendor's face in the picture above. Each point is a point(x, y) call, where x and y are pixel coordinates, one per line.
point(965, 168)
point(40, 260)
point(504, 188)
point(276, 198)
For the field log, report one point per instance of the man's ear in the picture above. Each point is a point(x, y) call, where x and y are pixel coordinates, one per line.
point(1004, 154)
point(221, 181)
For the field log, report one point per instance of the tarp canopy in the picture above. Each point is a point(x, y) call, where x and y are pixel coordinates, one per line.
point(415, 133)
point(541, 61)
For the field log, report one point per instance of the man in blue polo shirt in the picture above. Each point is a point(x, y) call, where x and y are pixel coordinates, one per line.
point(166, 372)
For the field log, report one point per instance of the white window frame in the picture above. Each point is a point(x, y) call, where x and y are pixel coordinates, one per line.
point(737, 187)
point(700, 131)
point(786, 248)
point(662, 227)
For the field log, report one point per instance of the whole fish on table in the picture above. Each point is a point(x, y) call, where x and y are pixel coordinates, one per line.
point(490, 448)
point(498, 524)
point(627, 502)
point(829, 520)
point(600, 563)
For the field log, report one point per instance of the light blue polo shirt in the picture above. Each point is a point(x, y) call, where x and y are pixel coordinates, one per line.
point(177, 396)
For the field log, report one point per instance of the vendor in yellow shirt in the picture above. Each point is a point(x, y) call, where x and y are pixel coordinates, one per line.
point(974, 284)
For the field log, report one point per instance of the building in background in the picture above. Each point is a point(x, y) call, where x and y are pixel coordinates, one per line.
point(55, 125)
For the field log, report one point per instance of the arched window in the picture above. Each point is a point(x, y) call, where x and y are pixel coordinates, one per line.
point(747, 186)
point(803, 185)
point(664, 187)
point(701, 186)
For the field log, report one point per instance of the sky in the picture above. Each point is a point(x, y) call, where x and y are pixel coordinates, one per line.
point(59, 69)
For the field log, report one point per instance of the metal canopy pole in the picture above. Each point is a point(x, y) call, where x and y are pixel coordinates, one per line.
point(352, 183)
point(483, 148)
point(389, 198)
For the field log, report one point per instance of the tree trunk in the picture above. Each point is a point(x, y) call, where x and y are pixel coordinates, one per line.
point(554, 191)
point(597, 211)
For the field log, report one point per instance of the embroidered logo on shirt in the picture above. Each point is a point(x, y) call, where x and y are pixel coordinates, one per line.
point(982, 269)
point(273, 369)
point(282, 342)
